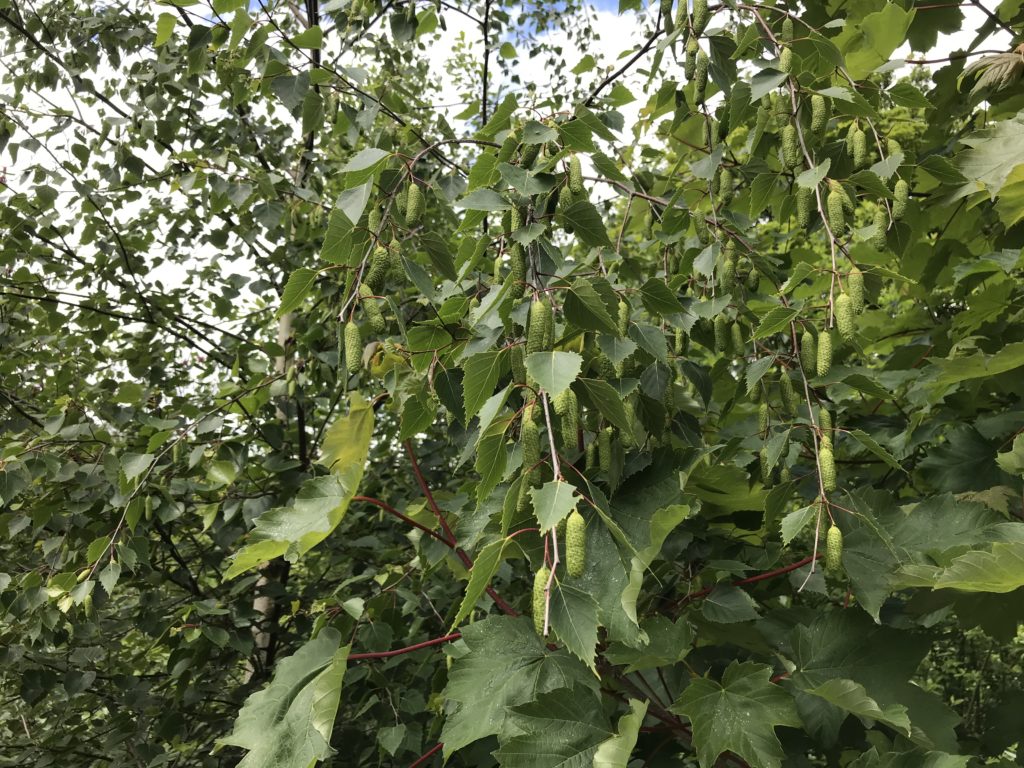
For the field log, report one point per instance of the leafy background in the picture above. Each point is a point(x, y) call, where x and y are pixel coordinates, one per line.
point(227, 539)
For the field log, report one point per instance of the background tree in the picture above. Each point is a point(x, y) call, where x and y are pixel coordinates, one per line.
point(660, 409)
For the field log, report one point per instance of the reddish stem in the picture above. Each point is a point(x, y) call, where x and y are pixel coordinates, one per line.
point(391, 510)
point(423, 759)
point(408, 649)
point(759, 577)
point(452, 541)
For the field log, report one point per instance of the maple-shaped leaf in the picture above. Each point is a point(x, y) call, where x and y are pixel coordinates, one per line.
point(738, 715)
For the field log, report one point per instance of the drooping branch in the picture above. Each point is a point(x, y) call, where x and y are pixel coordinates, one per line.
point(408, 649)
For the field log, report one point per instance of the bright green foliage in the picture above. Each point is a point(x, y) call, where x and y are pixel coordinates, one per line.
point(298, 358)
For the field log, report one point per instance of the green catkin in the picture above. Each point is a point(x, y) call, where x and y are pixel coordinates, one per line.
point(353, 348)
point(666, 16)
point(766, 472)
point(850, 133)
point(827, 460)
point(729, 274)
point(515, 219)
point(721, 333)
point(836, 214)
point(845, 317)
point(575, 176)
point(373, 219)
point(517, 265)
point(785, 475)
point(530, 438)
point(701, 16)
point(565, 201)
point(575, 544)
point(715, 181)
point(787, 29)
point(809, 354)
point(790, 147)
point(900, 193)
point(604, 449)
point(591, 454)
point(756, 394)
point(860, 149)
point(753, 281)
point(529, 154)
point(789, 398)
point(762, 419)
point(824, 353)
point(679, 342)
point(603, 366)
point(819, 113)
point(623, 318)
point(537, 328)
point(855, 288)
point(878, 240)
point(786, 60)
point(737, 339)
point(376, 275)
point(825, 419)
point(804, 206)
point(518, 361)
point(540, 583)
point(690, 62)
point(700, 227)
point(700, 75)
point(726, 185)
point(567, 408)
point(414, 208)
point(834, 550)
point(893, 147)
point(402, 200)
point(372, 311)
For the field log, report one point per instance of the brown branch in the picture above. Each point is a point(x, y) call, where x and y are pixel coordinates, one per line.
point(408, 649)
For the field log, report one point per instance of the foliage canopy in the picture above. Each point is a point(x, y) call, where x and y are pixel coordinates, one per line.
point(664, 410)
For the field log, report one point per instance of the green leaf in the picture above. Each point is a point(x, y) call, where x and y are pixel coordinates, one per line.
point(585, 309)
point(869, 442)
point(599, 394)
point(505, 665)
point(999, 570)
point(812, 177)
point(482, 373)
point(796, 521)
point(164, 28)
point(289, 723)
point(483, 200)
point(553, 371)
point(777, 319)
point(574, 619)
point(560, 729)
point(868, 44)
point(659, 299)
point(587, 224)
point(321, 502)
point(727, 604)
point(311, 37)
point(485, 565)
point(739, 715)
point(553, 502)
point(616, 751)
point(297, 288)
point(851, 696)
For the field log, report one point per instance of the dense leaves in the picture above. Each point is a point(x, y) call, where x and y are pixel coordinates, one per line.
point(341, 424)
